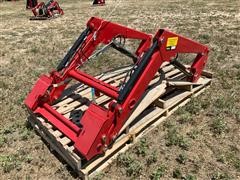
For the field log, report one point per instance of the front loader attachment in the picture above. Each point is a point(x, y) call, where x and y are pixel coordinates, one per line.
point(44, 11)
point(101, 122)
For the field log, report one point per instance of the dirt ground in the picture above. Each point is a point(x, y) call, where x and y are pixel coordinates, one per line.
point(200, 141)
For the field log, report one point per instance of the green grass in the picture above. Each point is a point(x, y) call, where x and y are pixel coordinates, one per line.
point(159, 172)
point(220, 176)
point(3, 140)
point(173, 138)
point(177, 173)
point(132, 166)
point(142, 147)
point(182, 158)
point(219, 126)
point(190, 177)
point(232, 159)
point(152, 158)
point(13, 161)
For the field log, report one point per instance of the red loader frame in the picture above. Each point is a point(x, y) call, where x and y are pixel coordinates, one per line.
point(100, 126)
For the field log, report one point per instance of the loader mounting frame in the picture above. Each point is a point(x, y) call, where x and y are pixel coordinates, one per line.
point(100, 126)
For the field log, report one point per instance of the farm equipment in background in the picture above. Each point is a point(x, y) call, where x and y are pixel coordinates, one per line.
point(31, 4)
point(99, 126)
point(99, 2)
point(43, 11)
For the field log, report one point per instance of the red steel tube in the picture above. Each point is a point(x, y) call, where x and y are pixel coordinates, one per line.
point(95, 83)
point(64, 120)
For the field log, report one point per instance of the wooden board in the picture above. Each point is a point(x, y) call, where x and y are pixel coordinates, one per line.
point(158, 103)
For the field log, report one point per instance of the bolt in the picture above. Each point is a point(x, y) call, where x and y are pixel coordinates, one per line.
point(162, 40)
point(104, 149)
point(104, 138)
point(114, 137)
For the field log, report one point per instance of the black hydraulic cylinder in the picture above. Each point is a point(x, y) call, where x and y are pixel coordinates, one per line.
point(181, 67)
point(73, 49)
point(137, 73)
point(125, 51)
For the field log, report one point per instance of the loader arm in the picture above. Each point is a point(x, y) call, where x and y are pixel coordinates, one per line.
point(99, 32)
point(99, 126)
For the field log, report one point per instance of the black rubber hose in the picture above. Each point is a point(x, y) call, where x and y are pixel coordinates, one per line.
point(137, 72)
point(73, 49)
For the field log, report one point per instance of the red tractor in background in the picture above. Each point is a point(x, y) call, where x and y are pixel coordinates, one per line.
point(47, 10)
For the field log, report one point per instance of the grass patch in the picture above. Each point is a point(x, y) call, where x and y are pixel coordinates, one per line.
point(205, 37)
point(195, 106)
point(220, 176)
point(177, 173)
point(141, 148)
point(173, 138)
point(219, 126)
point(26, 133)
point(131, 166)
point(152, 158)
point(232, 159)
point(3, 140)
point(182, 158)
point(221, 158)
point(193, 134)
point(185, 118)
point(222, 103)
point(9, 162)
point(98, 176)
point(34, 50)
point(8, 130)
point(190, 177)
point(158, 173)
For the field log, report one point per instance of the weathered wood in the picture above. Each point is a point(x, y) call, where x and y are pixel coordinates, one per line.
point(149, 97)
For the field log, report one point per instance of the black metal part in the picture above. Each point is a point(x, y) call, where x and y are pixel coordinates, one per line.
point(181, 67)
point(48, 3)
point(137, 72)
point(124, 51)
point(73, 49)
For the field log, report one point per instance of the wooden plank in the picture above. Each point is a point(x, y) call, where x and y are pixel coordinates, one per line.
point(56, 133)
point(160, 103)
point(64, 141)
point(149, 97)
point(70, 157)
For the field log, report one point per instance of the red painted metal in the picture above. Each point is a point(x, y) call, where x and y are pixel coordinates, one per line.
point(48, 9)
point(95, 83)
point(31, 4)
point(100, 126)
point(99, 2)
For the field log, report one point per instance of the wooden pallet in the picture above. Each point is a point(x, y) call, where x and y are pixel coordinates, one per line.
point(158, 103)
